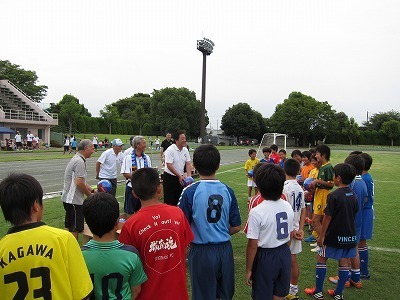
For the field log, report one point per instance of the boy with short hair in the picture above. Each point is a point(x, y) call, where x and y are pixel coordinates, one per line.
point(293, 193)
point(116, 269)
point(274, 156)
point(268, 258)
point(57, 270)
point(367, 217)
point(266, 152)
point(307, 165)
point(296, 154)
point(337, 237)
point(323, 184)
point(248, 167)
point(161, 233)
point(213, 214)
point(282, 156)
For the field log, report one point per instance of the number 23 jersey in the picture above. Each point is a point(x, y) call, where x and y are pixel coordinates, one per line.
point(211, 208)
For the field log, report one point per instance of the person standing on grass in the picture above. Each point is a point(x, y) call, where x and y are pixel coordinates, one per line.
point(18, 141)
point(162, 234)
point(29, 140)
point(95, 142)
point(212, 211)
point(76, 188)
point(248, 168)
point(37, 261)
point(268, 258)
point(337, 238)
point(177, 157)
point(164, 145)
point(106, 165)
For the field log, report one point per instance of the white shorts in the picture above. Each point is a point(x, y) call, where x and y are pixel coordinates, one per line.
point(251, 183)
point(295, 246)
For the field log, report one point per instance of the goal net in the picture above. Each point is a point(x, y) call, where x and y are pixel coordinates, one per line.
point(268, 139)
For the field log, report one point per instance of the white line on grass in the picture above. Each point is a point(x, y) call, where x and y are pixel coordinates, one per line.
point(395, 250)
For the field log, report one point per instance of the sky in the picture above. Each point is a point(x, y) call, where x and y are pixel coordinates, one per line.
point(344, 52)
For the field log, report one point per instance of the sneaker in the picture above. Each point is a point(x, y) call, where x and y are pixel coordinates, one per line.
point(365, 276)
point(335, 279)
point(292, 297)
point(332, 294)
point(314, 244)
point(310, 239)
point(358, 285)
point(316, 249)
point(311, 292)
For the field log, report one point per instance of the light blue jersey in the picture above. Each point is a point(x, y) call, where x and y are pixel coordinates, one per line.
point(211, 208)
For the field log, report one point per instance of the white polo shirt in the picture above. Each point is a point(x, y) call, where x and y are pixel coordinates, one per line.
point(109, 161)
point(178, 158)
point(127, 164)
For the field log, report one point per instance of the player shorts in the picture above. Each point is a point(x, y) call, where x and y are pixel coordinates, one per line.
point(73, 217)
point(66, 148)
point(367, 223)
point(131, 204)
point(212, 271)
point(295, 246)
point(320, 198)
point(29, 143)
point(337, 253)
point(251, 183)
point(19, 144)
point(271, 272)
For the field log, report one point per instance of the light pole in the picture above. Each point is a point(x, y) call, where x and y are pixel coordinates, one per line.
point(206, 47)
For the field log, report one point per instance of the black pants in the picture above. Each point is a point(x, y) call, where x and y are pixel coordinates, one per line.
point(172, 189)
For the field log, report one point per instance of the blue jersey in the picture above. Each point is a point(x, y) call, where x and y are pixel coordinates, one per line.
point(370, 188)
point(360, 189)
point(211, 208)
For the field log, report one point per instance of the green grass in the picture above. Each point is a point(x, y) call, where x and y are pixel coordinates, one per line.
point(384, 255)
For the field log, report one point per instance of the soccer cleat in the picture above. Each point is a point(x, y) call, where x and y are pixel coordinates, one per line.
point(310, 239)
point(314, 244)
point(332, 294)
point(358, 285)
point(365, 276)
point(292, 297)
point(335, 279)
point(311, 292)
point(316, 249)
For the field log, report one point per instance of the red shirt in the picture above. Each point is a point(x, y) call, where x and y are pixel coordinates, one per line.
point(275, 157)
point(254, 201)
point(161, 234)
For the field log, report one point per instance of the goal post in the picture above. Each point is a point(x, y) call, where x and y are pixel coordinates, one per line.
point(270, 138)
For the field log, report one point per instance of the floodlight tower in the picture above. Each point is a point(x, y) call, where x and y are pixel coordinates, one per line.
point(206, 47)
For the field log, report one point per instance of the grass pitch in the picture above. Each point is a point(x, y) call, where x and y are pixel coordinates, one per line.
point(384, 247)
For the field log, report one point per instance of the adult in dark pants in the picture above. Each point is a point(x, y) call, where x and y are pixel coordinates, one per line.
point(165, 144)
point(177, 157)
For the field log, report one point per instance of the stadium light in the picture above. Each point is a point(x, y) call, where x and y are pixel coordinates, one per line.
point(205, 46)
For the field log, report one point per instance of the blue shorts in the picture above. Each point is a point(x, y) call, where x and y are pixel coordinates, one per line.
point(337, 253)
point(367, 223)
point(131, 204)
point(212, 271)
point(271, 272)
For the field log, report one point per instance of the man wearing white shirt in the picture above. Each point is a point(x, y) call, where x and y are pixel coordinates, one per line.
point(29, 139)
point(106, 165)
point(137, 159)
point(176, 158)
point(18, 141)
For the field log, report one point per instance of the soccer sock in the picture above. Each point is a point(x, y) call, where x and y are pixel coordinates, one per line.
point(363, 253)
point(320, 272)
point(343, 273)
point(314, 234)
point(294, 289)
point(355, 275)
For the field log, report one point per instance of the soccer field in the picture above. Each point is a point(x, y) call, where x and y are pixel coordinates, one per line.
point(384, 248)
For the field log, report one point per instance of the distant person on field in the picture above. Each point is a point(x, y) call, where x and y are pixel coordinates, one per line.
point(108, 162)
point(116, 269)
point(76, 188)
point(213, 213)
point(293, 193)
point(95, 142)
point(18, 140)
point(74, 144)
point(248, 168)
point(268, 258)
point(367, 217)
point(161, 233)
point(337, 238)
point(134, 161)
point(37, 261)
point(66, 144)
point(165, 144)
point(157, 142)
point(266, 152)
point(29, 140)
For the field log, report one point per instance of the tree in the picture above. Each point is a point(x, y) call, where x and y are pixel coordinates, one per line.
point(242, 120)
point(140, 117)
point(23, 79)
point(351, 129)
point(376, 120)
point(391, 129)
point(176, 108)
point(110, 115)
point(69, 113)
point(56, 107)
point(127, 105)
point(303, 117)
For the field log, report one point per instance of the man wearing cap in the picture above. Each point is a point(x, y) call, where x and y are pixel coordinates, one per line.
point(137, 159)
point(106, 165)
